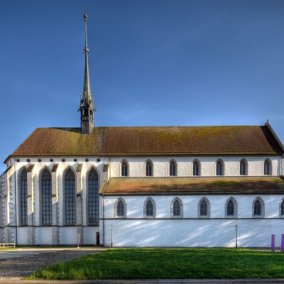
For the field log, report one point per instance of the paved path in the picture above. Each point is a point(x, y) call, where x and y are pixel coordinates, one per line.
point(17, 263)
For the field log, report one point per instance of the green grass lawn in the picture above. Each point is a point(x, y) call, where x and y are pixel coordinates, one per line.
point(173, 263)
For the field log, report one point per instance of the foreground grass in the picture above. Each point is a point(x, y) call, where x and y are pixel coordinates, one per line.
point(169, 264)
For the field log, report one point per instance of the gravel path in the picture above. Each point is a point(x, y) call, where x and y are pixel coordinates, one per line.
point(26, 262)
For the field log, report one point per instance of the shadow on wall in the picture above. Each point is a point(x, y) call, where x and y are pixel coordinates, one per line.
point(193, 233)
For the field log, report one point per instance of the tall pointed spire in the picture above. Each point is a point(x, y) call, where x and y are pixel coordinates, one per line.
point(87, 105)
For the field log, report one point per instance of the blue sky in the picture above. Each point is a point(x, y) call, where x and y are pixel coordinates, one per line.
point(152, 62)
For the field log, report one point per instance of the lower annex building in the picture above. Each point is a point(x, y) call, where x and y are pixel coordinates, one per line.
point(143, 186)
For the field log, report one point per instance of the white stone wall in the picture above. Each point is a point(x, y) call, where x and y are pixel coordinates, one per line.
point(192, 233)
point(58, 234)
point(185, 165)
point(218, 230)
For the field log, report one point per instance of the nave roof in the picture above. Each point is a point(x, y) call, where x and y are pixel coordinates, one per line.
point(151, 141)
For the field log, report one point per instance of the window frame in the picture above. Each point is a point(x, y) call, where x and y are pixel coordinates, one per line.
point(220, 163)
point(47, 186)
point(207, 216)
point(23, 197)
point(281, 215)
point(177, 199)
point(148, 164)
point(173, 168)
point(235, 204)
point(243, 169)
point(262, 208)
point(96, 201)
point(73, 215)
point(150, 199)
point(124, 167)
point(267, 162)
point(198, 164)
point(118, 201)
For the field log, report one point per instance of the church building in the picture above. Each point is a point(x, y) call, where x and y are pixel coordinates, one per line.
point(183, 186)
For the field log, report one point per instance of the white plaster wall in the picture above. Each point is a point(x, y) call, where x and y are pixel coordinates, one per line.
point(22, 235)
point(185, 165)
point(190, 230)
point(68, 235)
point(90, 234)
point(192, 233)
point(135, 205)
point(43, 235)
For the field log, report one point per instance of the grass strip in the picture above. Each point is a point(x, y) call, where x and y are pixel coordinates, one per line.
point(168, 263)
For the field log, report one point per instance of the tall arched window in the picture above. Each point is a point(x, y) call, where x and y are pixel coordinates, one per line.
point(149, 168)
point(267, 167)
point(243, 167)
point(93, 197)
point(120, 208)
point(258, 207)
point(231, 207)
point(219, 167)
point(23, 195)
point(124, 168)
point(176, 208)
point(46, 198)
point(196, 168)
point(173, 168)
point(69, 198)
point(282, 208)
point(204, 208)
point(149, 208)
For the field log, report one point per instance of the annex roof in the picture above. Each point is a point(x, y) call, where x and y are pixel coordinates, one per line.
point(148, 141)
point(193, 186)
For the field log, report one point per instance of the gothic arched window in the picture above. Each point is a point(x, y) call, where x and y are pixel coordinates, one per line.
point(196, 168)
point(267, 167)
point(120, 208)
point(176, 208)
point(243, 167)
point(46, 198)
point(69, 198)
point(173, 168)
point(149, 168)
point(258, 207)
point(204, 208)
point(23, 195)
point(231, 207)
point(149, 208)
point(93, 197)
point(220, 168)
point(124, 168)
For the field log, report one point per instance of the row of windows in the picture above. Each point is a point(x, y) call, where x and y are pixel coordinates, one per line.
point(231, 208)
point(69, 192)
point(196, 169)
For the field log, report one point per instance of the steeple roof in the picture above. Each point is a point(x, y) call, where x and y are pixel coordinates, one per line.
point(87, 99)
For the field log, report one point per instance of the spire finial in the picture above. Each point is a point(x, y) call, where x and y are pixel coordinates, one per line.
point(86, 104)
point(86, 49)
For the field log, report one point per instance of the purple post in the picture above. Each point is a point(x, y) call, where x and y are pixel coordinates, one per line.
point(282, 243)
point(273, 242)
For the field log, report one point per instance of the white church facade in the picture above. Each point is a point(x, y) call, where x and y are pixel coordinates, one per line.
point(143, 186)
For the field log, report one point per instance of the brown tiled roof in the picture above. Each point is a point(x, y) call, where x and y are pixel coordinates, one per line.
point(193, 186)
point(134, 141)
